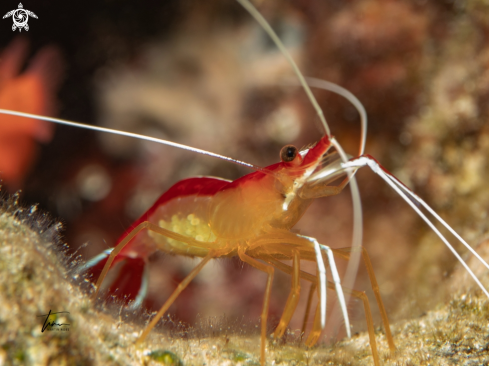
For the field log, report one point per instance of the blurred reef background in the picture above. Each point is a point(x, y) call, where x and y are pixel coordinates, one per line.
point(204, 74)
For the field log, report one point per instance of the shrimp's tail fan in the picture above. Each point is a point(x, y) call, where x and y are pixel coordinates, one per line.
point(127, 279)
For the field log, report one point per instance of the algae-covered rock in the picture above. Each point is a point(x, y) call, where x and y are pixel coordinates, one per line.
point(36, 278)
point(34, 281)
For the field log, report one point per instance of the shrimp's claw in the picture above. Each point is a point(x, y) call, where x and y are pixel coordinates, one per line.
point(130, 282)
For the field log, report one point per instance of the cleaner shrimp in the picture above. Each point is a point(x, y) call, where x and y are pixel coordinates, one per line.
point(300, 177)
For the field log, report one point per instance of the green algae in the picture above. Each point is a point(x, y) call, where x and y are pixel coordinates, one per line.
point(165, 357)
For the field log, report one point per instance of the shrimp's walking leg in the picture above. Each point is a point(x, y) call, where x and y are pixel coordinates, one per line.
point(308, 307)
point(264, 315)
point(174, 295)
point(309, 245)
point(358, 294)
point(292, 300)
point(316, 330)
point(337, 282)
point(144, 225)
point(345, 253)
point(113, 254)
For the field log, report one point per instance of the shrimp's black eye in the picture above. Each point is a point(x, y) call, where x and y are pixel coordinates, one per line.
point(288, 153)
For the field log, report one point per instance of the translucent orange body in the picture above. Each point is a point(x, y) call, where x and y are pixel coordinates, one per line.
point(251, 218)
point(236, 215)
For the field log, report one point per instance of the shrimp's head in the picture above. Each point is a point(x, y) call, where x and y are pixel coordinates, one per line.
point(305, 174)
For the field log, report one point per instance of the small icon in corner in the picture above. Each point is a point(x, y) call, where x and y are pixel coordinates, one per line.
point(20, 17)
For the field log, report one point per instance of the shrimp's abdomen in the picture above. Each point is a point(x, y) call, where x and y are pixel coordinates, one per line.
point(183, 209)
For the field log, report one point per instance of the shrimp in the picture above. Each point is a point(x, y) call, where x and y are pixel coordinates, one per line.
point(251, 218)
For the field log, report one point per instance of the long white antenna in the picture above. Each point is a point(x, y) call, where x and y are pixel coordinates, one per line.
point(412, 199)
point(352, 269)
point(259, 18)
point(134, 135)
point(335, 88)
